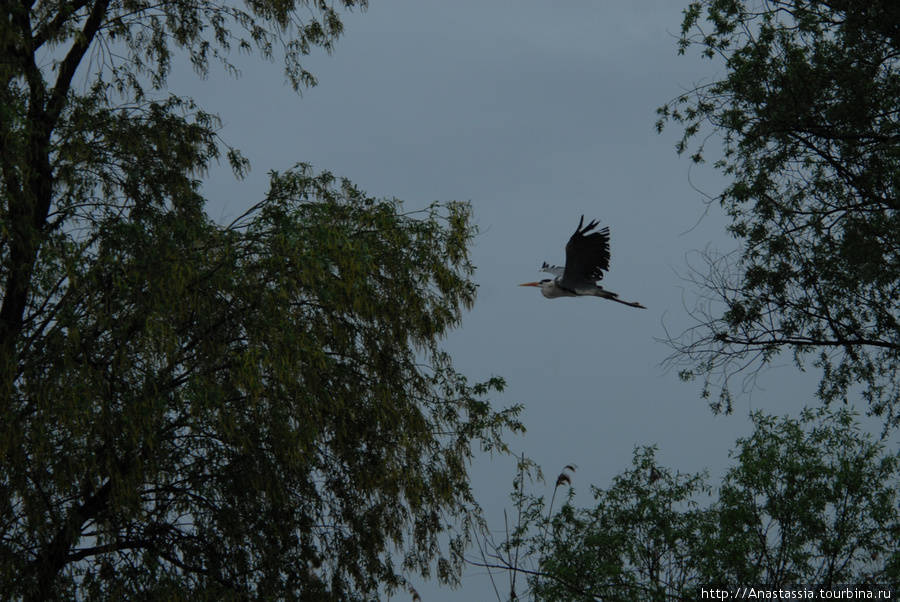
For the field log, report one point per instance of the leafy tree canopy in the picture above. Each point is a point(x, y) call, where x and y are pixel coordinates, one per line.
point(808, 108)
point(809, 501)
point(189, 410)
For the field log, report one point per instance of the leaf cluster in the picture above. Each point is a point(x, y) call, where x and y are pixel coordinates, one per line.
point(809, 501)
point(809, 117)
point(254, 410)
point(191, 410)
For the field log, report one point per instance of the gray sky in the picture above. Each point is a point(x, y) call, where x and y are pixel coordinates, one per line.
point(536, 112)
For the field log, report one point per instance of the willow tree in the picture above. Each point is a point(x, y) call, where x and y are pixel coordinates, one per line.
point(808, 107)
point(190, 410)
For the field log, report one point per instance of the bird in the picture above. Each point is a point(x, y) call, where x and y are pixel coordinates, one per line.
point(587, 257)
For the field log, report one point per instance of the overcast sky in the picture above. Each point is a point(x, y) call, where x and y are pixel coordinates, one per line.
point(537, 113)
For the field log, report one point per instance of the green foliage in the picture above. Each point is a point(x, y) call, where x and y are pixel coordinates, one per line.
point(630, 545)
point(809, 113)
point(261, 408)
point(191, 410)
point(812, 500)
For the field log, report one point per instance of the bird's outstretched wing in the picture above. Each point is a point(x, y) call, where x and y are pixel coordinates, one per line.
point(552, 269)
point(587, 256)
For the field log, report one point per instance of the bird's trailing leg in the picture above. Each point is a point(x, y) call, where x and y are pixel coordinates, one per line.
point(602, 292)
point(631, 303)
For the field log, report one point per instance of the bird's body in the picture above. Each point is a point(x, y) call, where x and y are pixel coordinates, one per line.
point(587, 257)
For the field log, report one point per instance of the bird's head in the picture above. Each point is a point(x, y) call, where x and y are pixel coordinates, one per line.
point(541, 284)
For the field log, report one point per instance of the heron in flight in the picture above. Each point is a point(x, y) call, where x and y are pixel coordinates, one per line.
point(587, 257)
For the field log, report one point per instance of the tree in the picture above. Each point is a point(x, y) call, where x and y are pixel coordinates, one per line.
point(812, 500)
point(809, 501)
point(636, 543)
point(808, 110)
point(188, 410)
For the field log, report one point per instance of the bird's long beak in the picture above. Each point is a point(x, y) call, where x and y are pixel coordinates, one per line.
point(531, 284)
